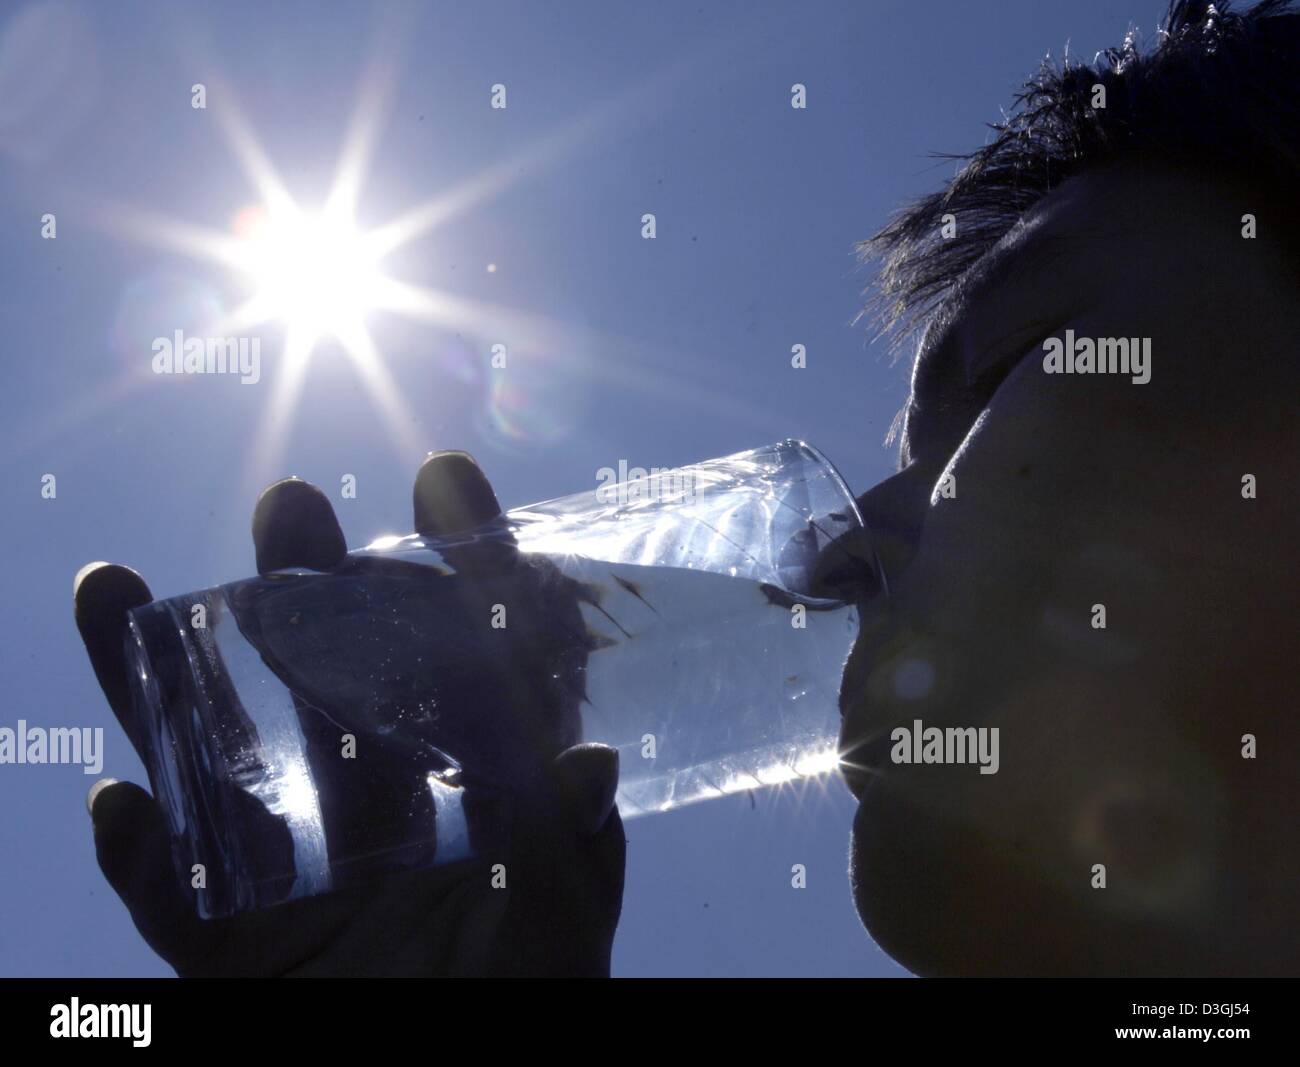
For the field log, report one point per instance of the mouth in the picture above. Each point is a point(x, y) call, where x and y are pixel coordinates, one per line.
point(864, 741)
point(853, 764)
point(868, 715)
point(863, 758)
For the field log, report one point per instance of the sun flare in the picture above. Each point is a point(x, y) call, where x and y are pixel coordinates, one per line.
point(316, 273)
point(321, 277)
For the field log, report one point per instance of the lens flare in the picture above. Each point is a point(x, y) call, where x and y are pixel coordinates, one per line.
point(156, 305)
point(539, 398)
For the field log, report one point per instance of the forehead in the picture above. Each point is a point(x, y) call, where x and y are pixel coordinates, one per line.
point(1015, 282)
point(1093, 233)
point(1155, 208)
point(1026, 260)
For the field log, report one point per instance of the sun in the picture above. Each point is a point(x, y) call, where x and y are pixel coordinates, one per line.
point(321, 276)
point(317, 273)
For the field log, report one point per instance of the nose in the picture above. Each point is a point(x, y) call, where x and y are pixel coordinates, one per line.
point(858, 566)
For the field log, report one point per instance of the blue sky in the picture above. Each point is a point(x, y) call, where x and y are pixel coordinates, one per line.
point(658, 352)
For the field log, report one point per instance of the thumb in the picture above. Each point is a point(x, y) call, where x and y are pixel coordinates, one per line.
point(586, 779)
point(566, 870)
point(133, 846)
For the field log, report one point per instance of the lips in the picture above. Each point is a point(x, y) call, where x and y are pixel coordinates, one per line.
point(864, 761)
point(864, 742)
point(850, 686)
point(878, 695)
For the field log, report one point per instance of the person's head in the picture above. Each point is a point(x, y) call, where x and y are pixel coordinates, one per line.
point(1090, 544)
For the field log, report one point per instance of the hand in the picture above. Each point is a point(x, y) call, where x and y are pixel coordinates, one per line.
point(559, 910)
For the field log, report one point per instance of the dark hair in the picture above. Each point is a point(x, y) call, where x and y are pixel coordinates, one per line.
point(1220, 90)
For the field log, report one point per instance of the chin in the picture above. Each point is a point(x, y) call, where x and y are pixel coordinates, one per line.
point(942, 901)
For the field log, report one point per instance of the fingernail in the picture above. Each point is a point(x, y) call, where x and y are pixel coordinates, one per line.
point(85, 573)
point(452, 494)
point(95, 790)
point(294, 525)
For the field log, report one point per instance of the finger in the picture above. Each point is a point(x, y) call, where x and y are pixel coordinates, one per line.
point(452, 494)
point(566, 882)
point(133, 846)
point(102, 595)
point(295, 526)
point(586, 779)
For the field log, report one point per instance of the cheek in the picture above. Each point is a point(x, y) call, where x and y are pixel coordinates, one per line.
point(1059, 545)
point(1058, 507)
point(1012, 558)
point(1039, 477)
